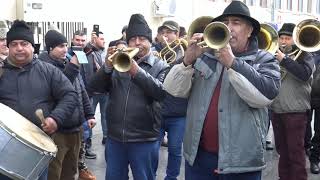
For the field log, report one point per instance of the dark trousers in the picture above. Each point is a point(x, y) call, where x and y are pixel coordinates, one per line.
point(289, 131)
point(204, 167)
point(65, 165)
point(315, 142)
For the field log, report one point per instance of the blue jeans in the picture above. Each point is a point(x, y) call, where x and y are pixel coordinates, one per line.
point(175, 127)
point(102, 99)
point(44, 176)
point(205, 165)
point(141, 156)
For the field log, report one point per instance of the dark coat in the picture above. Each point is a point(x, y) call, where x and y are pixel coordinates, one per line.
point(38, 85)
point(133, 108)
point(315, 91)
point(83, 110)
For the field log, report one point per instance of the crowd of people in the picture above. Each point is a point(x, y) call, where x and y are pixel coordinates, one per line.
point(214, 106)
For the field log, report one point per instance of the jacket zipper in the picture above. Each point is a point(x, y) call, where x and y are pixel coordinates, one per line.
point(125, 112)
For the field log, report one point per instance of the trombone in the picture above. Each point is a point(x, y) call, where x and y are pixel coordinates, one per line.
point(169, 54)
point(306, 36)
point(122, 58)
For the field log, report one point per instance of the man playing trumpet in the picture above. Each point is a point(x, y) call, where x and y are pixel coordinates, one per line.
point(227, 117)
point(133, 109)
point(290, 108)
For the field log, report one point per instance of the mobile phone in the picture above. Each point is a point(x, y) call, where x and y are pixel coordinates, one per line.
point(96, 29)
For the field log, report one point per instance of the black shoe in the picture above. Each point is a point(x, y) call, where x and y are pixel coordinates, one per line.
point(314, 168)
point(104, 140)
point(269, 146)
point(90, 155)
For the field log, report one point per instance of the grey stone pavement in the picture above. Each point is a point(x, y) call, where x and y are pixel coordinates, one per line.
point(98, 165)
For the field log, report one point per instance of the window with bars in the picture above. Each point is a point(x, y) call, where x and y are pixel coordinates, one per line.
point(264, 3)
point(277, 4)
point(289, 5)
point(309, 6)
point(300, 5)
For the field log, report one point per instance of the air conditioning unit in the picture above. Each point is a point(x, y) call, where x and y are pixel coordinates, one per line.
point(164, 8)
point(30, 10)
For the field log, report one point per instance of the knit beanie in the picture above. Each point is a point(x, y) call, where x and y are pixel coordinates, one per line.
point(3, 29)
point(53, 39)
point(138, 27)
point(20, 31)
point(286, 29)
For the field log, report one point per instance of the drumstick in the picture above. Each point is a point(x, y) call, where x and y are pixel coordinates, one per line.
point(39, 114)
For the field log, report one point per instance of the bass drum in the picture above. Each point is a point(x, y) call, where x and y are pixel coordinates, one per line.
point(25, 150)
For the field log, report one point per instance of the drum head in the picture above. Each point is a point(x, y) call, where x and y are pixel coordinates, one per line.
point(25, 130)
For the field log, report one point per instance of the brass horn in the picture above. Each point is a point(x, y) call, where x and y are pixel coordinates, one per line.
point(306, 35)
point(268, 38)
point(215, 34)
point(169, 54)
point(122, 59)
point(198, 25)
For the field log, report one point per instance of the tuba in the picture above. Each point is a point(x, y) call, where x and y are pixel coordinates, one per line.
point(215, 34)
point(268, 38)
point(122, 58)
point(169, 54)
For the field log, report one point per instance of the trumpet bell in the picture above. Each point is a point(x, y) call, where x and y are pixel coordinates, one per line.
point(122, 59)
point(268, 38)
point(216, 35)
point(306, 35)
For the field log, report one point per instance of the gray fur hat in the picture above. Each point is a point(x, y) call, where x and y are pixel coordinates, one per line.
point(3, 29)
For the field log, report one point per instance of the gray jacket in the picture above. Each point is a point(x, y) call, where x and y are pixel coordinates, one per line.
point(295, 91)
point(242, 128)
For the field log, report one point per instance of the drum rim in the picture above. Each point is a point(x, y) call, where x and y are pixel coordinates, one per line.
point(27, 143)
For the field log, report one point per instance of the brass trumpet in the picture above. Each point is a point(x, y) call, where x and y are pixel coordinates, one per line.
point(216, 35)
point(268, 38)
point(122, 58)
point(169, 54)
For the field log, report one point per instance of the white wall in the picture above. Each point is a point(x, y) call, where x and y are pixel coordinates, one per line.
point(8, 9)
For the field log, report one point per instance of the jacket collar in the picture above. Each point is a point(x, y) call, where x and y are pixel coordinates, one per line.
point(148, 59)
point(252, 48)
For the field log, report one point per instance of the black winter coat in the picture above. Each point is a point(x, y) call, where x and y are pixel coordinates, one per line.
point(83, 109)
point(38, 85)
point(133, 108)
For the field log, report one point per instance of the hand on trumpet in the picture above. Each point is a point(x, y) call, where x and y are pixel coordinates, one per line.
point(193, 51)
point(225, 56)
point(110, 52)
point(279, 55)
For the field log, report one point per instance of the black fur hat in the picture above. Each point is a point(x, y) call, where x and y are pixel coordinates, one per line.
point(138, 26)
